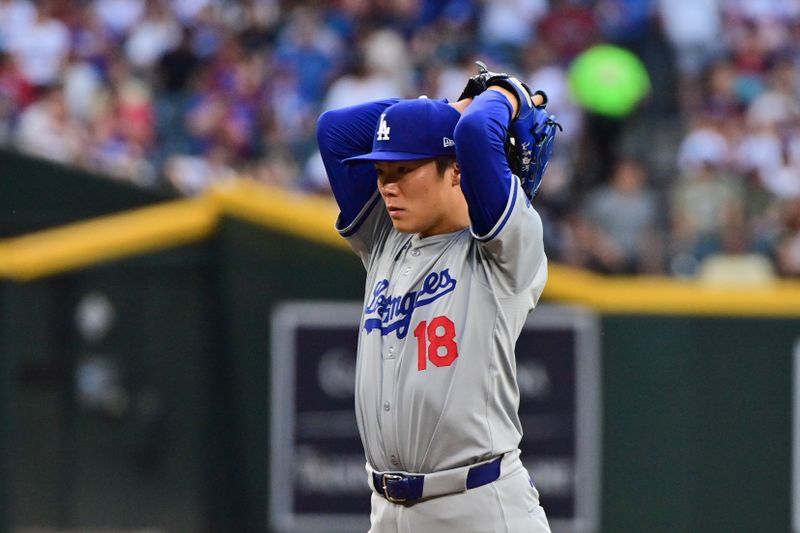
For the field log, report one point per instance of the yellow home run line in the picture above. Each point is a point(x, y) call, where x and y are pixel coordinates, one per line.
point(85, 243)
point(171, 224)
point(661, 295)
point(311, 218)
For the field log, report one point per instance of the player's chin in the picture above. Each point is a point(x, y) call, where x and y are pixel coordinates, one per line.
point(404, 226)
point(401, 227)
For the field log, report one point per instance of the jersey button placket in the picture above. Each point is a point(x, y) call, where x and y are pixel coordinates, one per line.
point(388, 413)
point(407, 269)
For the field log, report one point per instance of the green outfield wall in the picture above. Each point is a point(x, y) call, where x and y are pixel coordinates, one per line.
point(37, 194)
point(696, 380)
point(697, 423)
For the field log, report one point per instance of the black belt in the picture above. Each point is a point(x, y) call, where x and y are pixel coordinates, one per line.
point(400, 488)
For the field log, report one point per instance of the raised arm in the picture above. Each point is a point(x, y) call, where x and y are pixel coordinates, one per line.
point(501, 215)
point(343, 133)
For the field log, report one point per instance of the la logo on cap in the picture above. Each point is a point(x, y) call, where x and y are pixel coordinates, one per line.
point(383, 129)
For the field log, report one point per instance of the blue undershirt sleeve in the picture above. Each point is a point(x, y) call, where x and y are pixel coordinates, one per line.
point(343, 133)
point(486, 178)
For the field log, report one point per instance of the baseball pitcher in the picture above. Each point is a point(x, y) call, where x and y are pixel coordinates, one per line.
point(455, 262)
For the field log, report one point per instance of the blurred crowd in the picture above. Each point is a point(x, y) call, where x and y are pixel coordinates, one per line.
point(702, 177)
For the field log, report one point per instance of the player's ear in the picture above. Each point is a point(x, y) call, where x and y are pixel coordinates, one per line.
point(456, 179)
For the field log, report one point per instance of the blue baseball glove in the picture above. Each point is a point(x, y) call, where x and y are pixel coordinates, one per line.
point(529, 146)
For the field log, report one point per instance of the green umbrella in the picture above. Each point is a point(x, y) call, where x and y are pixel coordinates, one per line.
point(608, 80)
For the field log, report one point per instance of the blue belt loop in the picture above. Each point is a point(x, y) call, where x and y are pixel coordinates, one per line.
point(484, 474)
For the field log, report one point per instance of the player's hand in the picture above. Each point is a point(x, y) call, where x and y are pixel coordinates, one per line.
point(478, 83)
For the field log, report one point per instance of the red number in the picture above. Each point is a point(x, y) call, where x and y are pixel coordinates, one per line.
point(444, 340)
point(442, 349)
point(419, 333)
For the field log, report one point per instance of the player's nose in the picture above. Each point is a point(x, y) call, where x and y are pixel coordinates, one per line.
point(389, 189)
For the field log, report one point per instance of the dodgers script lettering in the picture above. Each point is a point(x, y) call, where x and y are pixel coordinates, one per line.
point(389, 313)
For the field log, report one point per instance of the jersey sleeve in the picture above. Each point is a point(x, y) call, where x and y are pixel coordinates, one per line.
point(508, 229)
point(515, 246)
point(343, 133)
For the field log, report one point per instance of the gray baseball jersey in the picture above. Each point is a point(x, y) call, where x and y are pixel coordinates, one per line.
point(435, 380)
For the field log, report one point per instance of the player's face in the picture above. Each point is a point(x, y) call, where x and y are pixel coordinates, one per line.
point(418, 198)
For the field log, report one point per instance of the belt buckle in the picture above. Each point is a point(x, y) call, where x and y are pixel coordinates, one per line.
point(391, 477)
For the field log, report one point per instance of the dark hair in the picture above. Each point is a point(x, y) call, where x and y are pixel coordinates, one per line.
point(443, 162)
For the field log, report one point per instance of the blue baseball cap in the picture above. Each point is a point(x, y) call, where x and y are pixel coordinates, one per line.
point(413, 129)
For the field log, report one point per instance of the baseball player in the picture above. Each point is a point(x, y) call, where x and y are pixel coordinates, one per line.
point(455, 262)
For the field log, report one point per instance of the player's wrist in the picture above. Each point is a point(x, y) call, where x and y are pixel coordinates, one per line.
point(462, 104)
point(519, 92)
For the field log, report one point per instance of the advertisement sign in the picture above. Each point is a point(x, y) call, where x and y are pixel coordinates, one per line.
point(318, 479)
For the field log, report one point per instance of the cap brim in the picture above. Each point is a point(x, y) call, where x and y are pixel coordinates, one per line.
point(387, 156)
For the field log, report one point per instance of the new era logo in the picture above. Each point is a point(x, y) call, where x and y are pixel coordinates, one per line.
point(383, 129)
point(447, 142)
